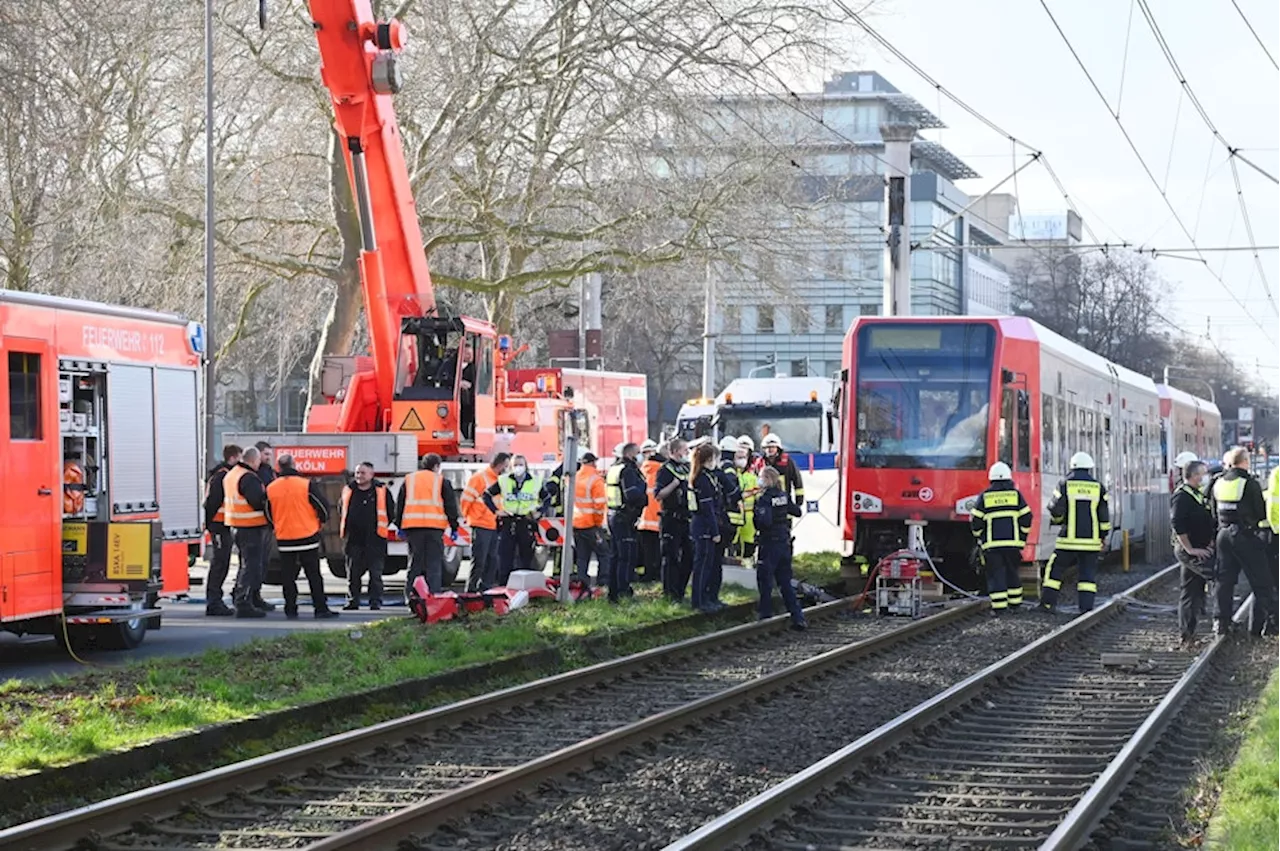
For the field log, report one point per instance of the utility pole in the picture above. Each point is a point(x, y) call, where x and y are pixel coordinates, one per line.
point(709, 338)
point(210, 320)
point(897, 206)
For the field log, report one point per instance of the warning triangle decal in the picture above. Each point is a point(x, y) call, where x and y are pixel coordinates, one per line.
point(412, 422)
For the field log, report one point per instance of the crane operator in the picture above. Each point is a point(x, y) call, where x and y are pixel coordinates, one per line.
point(466, 387)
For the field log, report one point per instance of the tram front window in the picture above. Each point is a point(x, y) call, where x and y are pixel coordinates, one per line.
point(923, 395)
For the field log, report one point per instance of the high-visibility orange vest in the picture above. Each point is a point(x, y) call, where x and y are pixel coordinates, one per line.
point(476, 514)
point(424, 501)
point(384, 524)
point(649, 517)
point(237, 510)
point(589, 500)
point(292, 513)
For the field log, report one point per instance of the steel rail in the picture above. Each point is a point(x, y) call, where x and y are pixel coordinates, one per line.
point(384, 832)
point(1093, 806)
point(123, 812)
point(738, 825)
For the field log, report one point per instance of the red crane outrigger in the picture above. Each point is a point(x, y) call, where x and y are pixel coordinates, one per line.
point(413, 382)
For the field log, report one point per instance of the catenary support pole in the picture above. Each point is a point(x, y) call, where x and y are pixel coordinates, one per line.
point(897, 266)
point(210, 346)
point(709, 338)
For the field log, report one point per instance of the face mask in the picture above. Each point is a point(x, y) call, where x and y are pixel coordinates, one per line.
point(518, 469)
point(740, 463)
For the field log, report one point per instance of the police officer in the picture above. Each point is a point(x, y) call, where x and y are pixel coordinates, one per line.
point(244, 507)
point(773, 511)
point(626, 500)
point(297, 509)
point(1001, 520)
point(706, 508)
point(517, 516)
point(731, 516)
point(1238, 501)
point(673, 520)
point(1194, 528)
point(1079, 506)
point(427, 505)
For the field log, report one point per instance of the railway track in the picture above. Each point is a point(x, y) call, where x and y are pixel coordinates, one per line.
point(1029, 753)
point(368, 788)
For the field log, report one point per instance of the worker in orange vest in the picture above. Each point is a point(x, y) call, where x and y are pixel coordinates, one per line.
point(590, 533)
point(483, 522)
point(648, 528)
point(427, 505)
point(298, 510)
point(215, 522)
point(244, 508)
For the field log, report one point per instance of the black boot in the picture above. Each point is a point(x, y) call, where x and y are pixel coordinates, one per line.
point(325, 614)
point(246, 610)
point(259, 603)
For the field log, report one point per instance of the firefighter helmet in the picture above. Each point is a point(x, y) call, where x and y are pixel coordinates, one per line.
point(1183, 459)
point(1000, 472)
point(648, 446)
point(1082, 461)
point(747, 443)
point(771, 440)
point(728, 444)
point(617, 450)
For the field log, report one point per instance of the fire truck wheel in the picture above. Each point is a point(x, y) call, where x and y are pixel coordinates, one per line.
point(452, 563)
point(124, 635)
point(338, 566)
point(79, 638)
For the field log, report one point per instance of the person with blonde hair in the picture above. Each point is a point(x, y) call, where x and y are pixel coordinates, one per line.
point(773, 512)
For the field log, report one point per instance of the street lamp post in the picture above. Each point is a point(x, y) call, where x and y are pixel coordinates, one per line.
point(1212, 396)
point(210, 348)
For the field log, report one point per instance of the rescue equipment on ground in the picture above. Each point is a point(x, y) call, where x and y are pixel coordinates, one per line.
point(898, 590)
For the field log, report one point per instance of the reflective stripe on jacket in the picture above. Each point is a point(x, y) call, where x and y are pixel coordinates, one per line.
point(236, 509)
point(522, 501)
point(424, 501)
point(649, 520)
point(1080, 506)
point(476, 514)
point(293, 513)
point(588, 499)
point(1001, 518)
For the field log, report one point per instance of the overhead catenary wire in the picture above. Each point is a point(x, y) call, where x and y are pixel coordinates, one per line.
point(1255, 35)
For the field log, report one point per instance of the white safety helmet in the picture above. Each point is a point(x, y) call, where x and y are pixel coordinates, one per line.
point(771, 440)
point(728, 444)
point(698, 441)
point(617, 450)
point(747, 443)
point(1082, 461)
point(1183, 459)
point(648, 446)
point(1000, 472)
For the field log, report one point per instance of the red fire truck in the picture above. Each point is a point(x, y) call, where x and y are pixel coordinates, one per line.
point(99, 466)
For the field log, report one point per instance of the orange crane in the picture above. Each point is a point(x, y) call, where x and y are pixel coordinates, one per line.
point(436, 375)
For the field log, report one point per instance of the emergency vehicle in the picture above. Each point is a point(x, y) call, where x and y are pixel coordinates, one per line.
point(100, 502)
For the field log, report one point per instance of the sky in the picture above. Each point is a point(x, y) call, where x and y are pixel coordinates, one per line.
point(1005, 59)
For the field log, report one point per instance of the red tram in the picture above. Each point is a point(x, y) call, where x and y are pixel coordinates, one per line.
point(929, 403)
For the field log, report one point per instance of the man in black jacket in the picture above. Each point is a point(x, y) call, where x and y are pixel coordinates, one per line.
point(368, 507)
point(1194, 528)
point(219, 535)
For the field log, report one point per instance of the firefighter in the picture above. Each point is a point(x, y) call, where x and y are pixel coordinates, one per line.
point(773, 512)
point(590, 534)
point(706, 506)
point(297, 511)
point(219, 534)
point(749, 485)
point(1241, 507)
point(673, 520)
point(483, 522)
point(365, 526)
point(244, 509)
point(426, 506)
point(626, 500)
point(649, 527)
point(779, 460)
point(1000, 520)
point(517, 516)
point(1079, 505)
point(1194, 528)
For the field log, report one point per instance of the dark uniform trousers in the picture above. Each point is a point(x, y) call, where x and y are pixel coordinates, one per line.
point(774, 568)
point(1240, 550)
point(516, 537)
point(677, 556)
point(585, 543)
point(252, 543)
point(622, 526)
point(1004, 585)
point(426, 558)
point(1191, 599)
point(309, 561)
point(1086, 564)
point(223, 542)
point(650, 555)
point(484, 559)
point(362, 559)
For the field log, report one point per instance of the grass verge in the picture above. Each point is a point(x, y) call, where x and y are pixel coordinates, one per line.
point(821, 569)
point(1249, 805)
point(74, 718)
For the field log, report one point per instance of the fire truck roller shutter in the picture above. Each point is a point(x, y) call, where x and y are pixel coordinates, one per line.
point(178, 452)
point(131, 443)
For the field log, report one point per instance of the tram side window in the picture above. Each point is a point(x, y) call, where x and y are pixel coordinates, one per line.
point(1047, 431)
point(1106, 449)
point(1060, 408)
point(1024, 430)
point(24, 396)
point(1004, 451)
